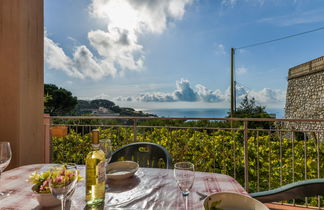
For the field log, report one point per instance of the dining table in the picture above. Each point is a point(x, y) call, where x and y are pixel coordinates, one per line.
point(149, 188)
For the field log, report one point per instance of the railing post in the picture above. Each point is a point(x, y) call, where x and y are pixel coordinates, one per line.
point(318, 164)
point(246, 157)
point(47, 138)
point(135, 130)
point(50, 140)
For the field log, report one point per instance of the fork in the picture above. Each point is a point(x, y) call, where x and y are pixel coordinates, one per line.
point(202, 195)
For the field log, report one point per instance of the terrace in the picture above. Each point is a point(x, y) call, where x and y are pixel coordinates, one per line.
point(260, 159)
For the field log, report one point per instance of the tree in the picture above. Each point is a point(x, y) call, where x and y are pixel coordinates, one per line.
point(249, 109)
point(59, 101)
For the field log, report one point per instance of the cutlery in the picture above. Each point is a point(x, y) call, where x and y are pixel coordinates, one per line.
point(202, 195)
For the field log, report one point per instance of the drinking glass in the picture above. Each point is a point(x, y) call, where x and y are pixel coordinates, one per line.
point(63, 181)
point(5, 157)
point(105, 146)
point(184, 173)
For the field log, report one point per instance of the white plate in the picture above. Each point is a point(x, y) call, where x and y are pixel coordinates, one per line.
point(121, 170)
point(233, 201)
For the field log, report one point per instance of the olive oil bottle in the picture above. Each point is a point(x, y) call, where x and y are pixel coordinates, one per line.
point(95, 173)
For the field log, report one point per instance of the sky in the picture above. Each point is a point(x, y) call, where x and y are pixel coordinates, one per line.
point(151, 54)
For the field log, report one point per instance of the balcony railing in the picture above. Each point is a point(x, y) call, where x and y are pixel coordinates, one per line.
point(261, 154)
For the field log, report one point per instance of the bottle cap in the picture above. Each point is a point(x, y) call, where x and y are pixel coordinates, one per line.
point(95, 136)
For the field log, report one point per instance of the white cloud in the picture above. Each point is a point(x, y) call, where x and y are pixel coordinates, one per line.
point(300, 17)
point(154, 97)
point(266, 96)
point(232, 3)
point(71, 38)
point(207, 95)
point(142, 15)
point(118, 45)
point(220, 49)
point(241, 70)
point(100, 96)
point(229, 2)
point(84, 60)
point(242, 51)
point(184, 93)
point(240, 93)
point(81, 65)
point(55, 58)
point(69, 82)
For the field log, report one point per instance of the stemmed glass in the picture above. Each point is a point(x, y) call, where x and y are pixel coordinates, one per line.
point(105, 146)
point(184, 174)
point(5, 157)
point(63, 181)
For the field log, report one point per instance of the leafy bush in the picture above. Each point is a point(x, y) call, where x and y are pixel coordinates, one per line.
point(72, 148)
point(214, 151)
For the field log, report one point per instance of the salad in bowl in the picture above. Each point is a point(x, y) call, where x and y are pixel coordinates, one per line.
point(41, 189)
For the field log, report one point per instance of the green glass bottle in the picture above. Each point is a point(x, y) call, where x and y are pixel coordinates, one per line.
point(95, 173)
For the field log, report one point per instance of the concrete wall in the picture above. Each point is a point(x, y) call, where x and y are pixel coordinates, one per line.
point(21, 79)
point(305, 94)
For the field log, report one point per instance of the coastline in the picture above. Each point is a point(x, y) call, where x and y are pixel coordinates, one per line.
point(202, 112)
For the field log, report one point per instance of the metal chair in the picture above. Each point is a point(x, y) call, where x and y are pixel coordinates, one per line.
point(146, 154)
point(301, 189)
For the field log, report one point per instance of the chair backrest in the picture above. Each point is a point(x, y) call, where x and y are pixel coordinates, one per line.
point(301, 189)
point(146, 154)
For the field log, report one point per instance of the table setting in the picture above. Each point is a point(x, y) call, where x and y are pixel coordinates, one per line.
point(126, 186)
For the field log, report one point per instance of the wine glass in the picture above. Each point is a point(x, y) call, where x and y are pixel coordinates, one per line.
point(63, 181)
point(105, 146)
point(184, 173)
point(5, 157)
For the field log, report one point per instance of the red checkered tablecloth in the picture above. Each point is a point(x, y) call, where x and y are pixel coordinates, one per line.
point(150, 188)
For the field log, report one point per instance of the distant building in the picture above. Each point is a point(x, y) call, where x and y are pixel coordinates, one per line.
point(101, 111)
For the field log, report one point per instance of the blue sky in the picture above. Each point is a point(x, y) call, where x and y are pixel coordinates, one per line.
point(176, 53)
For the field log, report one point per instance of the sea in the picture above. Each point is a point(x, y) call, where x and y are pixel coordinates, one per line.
point(203, 113)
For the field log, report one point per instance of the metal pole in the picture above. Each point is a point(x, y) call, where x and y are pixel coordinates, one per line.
point(232, 83)
point(234, 97)
point(50, 140)
point(246, 157)
point(135, 130)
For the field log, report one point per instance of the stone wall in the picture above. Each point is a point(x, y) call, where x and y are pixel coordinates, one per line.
point(305, 95)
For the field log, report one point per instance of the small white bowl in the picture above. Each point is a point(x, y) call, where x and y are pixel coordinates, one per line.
point(47, 199)
point(121, 170)
point(231, 200)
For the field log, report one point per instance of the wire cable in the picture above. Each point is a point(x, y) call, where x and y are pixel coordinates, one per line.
point(281, 38)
